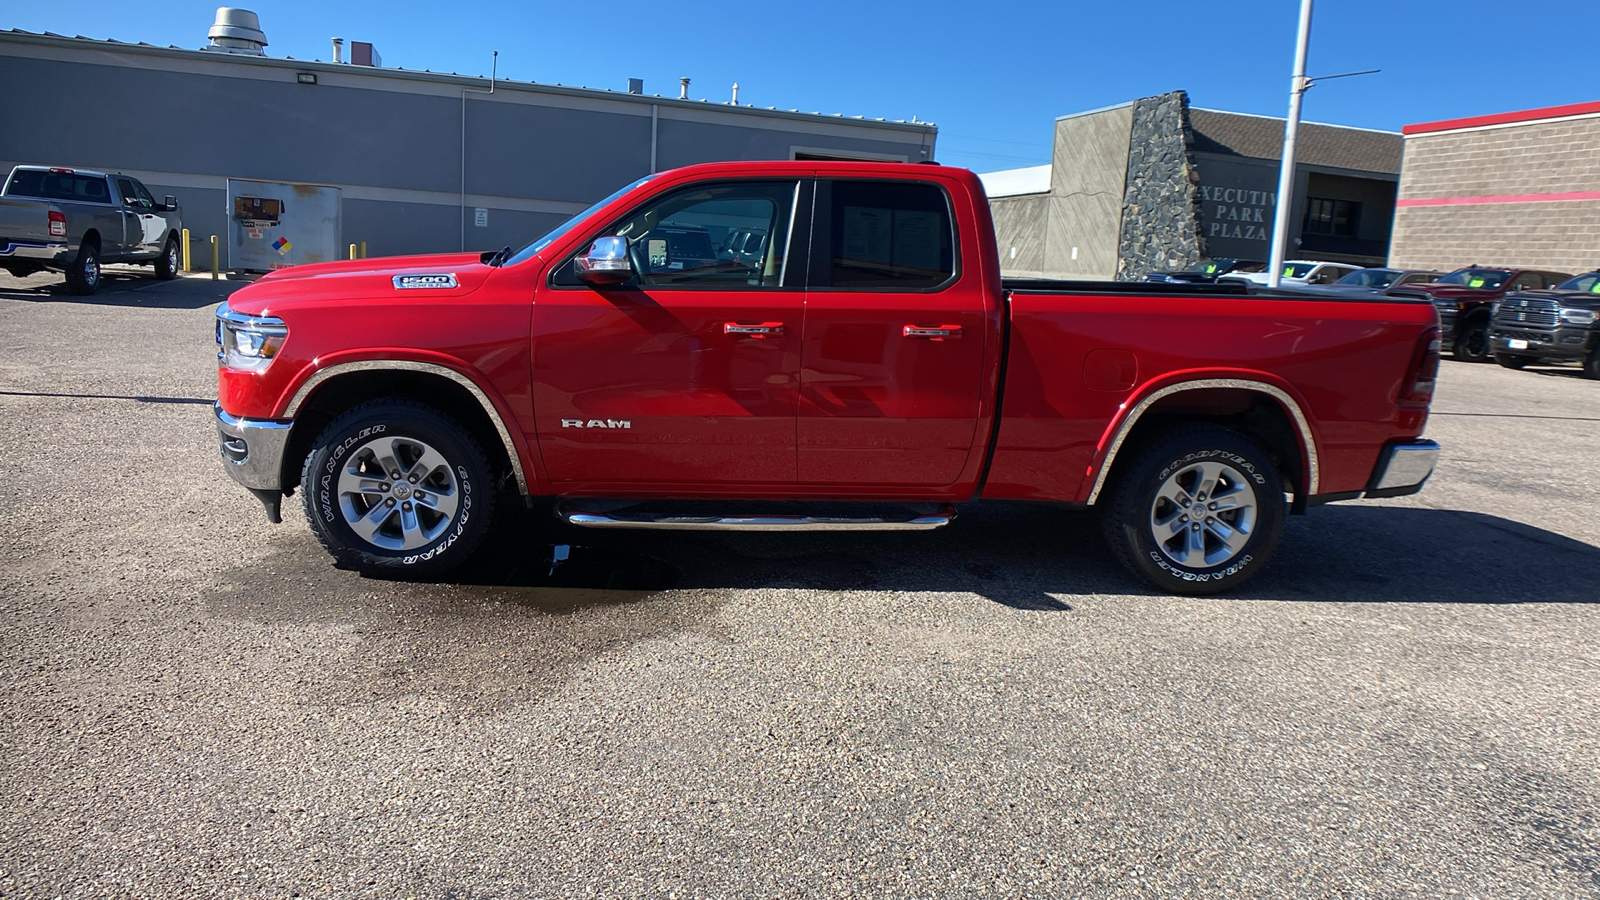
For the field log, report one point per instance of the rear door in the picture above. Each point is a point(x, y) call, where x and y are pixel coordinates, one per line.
point(893, 361)
point(689, 373)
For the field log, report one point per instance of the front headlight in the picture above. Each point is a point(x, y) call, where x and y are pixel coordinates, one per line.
point(1578, 316)
point(248, 343)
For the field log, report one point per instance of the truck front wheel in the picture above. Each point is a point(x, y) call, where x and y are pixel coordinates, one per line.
point(397, 489)
point(167, 264)
point(1472, 345)
point(1198, 512)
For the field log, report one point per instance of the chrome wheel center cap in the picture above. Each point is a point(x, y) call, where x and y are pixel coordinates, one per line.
point(402, 491)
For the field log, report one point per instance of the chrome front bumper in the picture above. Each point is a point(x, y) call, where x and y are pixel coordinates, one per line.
point(252, 450)
point(1403, 468)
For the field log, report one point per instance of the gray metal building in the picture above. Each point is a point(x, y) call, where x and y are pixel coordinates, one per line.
point(420, 161)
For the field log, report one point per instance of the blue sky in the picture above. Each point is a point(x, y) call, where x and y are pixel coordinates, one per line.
point(993, 76)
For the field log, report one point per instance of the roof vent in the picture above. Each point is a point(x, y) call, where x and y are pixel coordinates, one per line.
point(237, 31)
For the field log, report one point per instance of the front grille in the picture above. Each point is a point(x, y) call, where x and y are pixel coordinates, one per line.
point(1523, 311)
point(1530, 336)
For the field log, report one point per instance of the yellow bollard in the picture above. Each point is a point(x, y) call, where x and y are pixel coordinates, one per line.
point(186, 250)
point(214, 264)
point(352, 251)
point(363, 249)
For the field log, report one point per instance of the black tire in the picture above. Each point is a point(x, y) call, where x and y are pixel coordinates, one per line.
point(1513, 362)
point(1142, 501)
point(1591, 363)
point(83, 274)
point(167, 264)
point(1472, 344)
point(440, 507)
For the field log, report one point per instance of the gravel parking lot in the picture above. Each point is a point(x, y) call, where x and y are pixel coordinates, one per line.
point(196, 703)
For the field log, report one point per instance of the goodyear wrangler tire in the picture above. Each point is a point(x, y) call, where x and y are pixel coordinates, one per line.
point(397, 489)
point(1198, 512)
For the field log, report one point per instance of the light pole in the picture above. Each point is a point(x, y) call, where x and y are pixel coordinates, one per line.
point(1291, 129)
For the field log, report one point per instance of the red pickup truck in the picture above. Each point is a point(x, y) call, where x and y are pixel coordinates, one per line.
point(868, 369)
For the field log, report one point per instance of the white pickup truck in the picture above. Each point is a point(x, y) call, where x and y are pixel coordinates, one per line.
point(71, 221)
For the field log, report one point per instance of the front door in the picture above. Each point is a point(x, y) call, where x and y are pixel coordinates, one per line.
point(689, 373)
point(145, 231)
point(893, 363)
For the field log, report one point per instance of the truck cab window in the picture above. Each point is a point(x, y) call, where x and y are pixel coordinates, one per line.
point(888, 235)
point(688, 239)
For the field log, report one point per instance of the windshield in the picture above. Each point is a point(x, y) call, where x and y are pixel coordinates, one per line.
point(560, 231)
point(1483, 279)
point(1373, 278)
point(1589, 282)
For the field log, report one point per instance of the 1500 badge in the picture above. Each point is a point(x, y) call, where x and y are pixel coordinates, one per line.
point(413, 282)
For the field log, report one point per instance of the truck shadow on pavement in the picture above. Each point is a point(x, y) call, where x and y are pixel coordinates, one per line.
point(1038, 558)
point(130, 289)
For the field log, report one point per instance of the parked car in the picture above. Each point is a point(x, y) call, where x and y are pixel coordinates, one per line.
point(72, 221)
point(1298, 272)
point(1557, 325)
point(1465, 299)
point(1377, 280)
point(1207, 271)
point(857, 385)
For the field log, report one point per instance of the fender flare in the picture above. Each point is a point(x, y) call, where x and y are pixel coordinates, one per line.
point(1290, 405)
point(322, 376)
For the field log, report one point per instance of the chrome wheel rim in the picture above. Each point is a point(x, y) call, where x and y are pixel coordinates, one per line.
point(1203, 514)
point(398, 493)
point(172, 259)
point(91, 271)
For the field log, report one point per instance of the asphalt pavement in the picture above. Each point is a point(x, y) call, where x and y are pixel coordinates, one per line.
point(194, 702)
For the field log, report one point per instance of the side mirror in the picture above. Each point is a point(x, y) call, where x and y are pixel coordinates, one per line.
point(606, 262)
point(169, 202)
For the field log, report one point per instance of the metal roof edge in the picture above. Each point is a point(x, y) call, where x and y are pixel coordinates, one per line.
point(474, 81)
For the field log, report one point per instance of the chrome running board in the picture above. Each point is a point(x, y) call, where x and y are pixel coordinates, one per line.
point(660, 520)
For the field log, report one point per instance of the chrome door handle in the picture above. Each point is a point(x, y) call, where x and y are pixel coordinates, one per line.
point(765, 328)
point(936, 332)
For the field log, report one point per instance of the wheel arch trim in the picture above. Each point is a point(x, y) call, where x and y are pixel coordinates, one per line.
point(1301, 423)
point(322, 376)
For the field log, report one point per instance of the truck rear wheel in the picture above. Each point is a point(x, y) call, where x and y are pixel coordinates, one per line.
point(398, 489)
point(83, 273)
point(168, 262)
point(1198, 512)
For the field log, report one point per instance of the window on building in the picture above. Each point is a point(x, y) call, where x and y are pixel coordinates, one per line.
point(1339, 217)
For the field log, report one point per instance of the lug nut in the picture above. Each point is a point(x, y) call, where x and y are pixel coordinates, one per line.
point(389, 502)
point(1213, 506)
point(406, 506)
point(395, 474)
point(1195, 527)
point(383, 487)
point(1183, 520)
point(412, 479)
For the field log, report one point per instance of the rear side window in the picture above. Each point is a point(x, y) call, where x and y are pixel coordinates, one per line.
point(887, 235)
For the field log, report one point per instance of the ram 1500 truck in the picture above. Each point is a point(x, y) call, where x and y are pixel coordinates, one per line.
point(72, 220)
point(1559, 325)
point(868, 371)
point(1466, 299)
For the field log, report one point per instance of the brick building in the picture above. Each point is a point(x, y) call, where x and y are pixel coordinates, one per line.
point(1514, 189)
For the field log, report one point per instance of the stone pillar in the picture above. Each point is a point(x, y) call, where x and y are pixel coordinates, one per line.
point(1160, 201)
